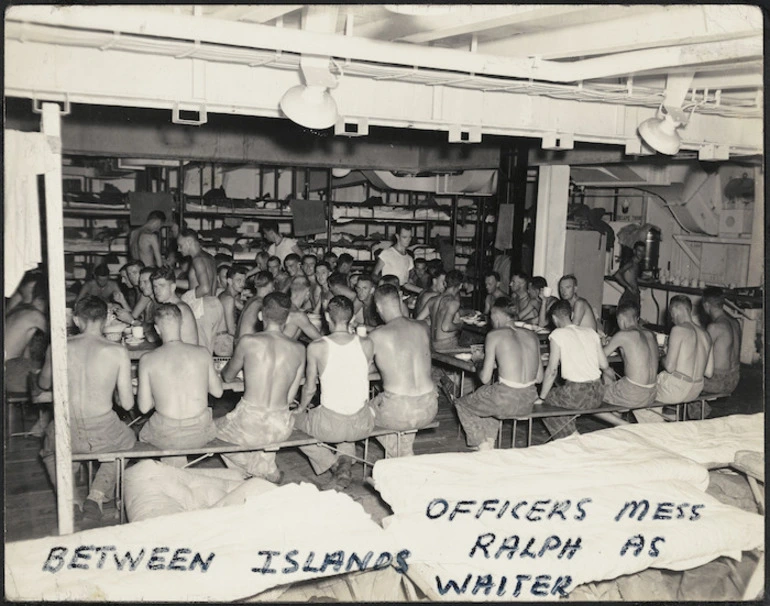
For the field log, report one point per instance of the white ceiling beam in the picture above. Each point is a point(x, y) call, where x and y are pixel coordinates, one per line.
point(137, 22)
point(728, 81)
point(263, 14)
point(664, 27)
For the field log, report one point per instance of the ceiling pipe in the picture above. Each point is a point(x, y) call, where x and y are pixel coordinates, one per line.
point(138, 22)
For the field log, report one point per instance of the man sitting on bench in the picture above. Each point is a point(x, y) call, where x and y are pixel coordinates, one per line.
point(402, 355)
point(640, 358)
point(516, 351)
point(342, 361)
point(273, 366)
point(725, 335)
point(95, 368)
point(582, 359)
point(175, 379)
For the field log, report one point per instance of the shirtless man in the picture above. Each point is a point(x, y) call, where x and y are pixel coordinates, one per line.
point(231, 297)
point(437, 275)
point(338, 286)
point(222, 278)
point(321, 294)
point(345, 265)
point(330, 259)
point(638, 388)
point(144, 243)
point(261, 259)
point(526, 308)
point(101, 286)
point(689, 357)
point(26, 338)
point(582, 313)
point(164, 287)
point(402, 355)
point(579, 351)
point(298, 321)
point(293, 265)
point(725, 333)
point(419, 276)
point(176, 379)
point(309, 263)
point(96, 367)
point(628, 275)
point(492, 285)
point(445, 323)
point(546, 301)
point(516, 352)
point(280, 245)
point(130, 274)
point(273, 366)
point(341, 361)
point(366, 312)
point(281, 278)
point(247, 323)
point(24, 293)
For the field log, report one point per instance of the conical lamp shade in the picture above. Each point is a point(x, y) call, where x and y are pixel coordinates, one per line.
point(310, 106)
point(660, 134)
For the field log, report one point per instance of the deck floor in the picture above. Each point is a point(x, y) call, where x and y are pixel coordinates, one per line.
point(30, 502)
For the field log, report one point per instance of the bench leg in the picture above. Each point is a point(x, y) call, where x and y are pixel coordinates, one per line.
point(513, 433)
point(398, 444)
point(366, 455)
point(529, 434)
point(702, 409)
point(499, 433)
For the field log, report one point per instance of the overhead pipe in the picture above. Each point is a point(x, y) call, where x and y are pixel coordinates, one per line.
point(296, 41)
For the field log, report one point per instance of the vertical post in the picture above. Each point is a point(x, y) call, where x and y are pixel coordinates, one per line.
point(51, 127)
point(518, 179)
point(551, 223)
point(329, 211)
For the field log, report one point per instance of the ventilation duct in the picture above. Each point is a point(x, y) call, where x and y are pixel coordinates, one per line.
point(695, 200)
point(475, 182)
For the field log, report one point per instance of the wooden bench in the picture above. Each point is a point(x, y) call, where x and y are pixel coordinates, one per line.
point(142, 450)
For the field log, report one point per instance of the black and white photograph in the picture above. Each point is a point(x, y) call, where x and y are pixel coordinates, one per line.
point(384, 303)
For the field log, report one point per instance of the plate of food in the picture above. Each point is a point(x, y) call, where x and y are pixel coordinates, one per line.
point(134, 340)
point(465, 357)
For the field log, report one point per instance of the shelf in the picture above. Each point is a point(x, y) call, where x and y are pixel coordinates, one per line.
point(242, 213)
point(712, 239)
point(386, 220)
point(88, 213)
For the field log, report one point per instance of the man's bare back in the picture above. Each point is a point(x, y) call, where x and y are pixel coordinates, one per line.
point(272, 365)
point(247, 322)
point(583, 313)
point(402, 354)
point(203, 270)
point(176, 378)
point(189, 326)
point(20, 325)
point(517, 353)
point(145, 246)
point(689, 349)
point(725, 335)
point(297, 323)
point(640, 354)
point(444, 320)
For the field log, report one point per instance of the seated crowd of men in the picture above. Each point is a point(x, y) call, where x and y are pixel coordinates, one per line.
point(355, 324)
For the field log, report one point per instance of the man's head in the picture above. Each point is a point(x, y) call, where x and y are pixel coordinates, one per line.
point(269, 230)
point(275, 309)
point(300, 290)
point(639, 249)
point(236, 278)
point(308, 264)
point(627, 315)
point(262, 258)
point(322, 273)
point(168, 321)
point(403, 236)
point(454, 280)
point(339, 311)
point(364, 287)
point(390, 279)
point(387, 300)
point(680, 309)
point(568, 287)
point(264, 283)
point(519, 282)
point(155, 219)
point(163, 284)
point(222, 271)
point(503, 312)
point(331, 259)
point(338, 283)
point(90, 313)
point(561, 313)
point(27, 285)
point(102, 274)
point(437, 275)
point(145, 281)
point(344, 263)
point(40, 294)
point(274, 265)
point(491, 281)
point(132, 270)
point(420, 267)
point(187, 242)
point(536, 286)
point(713, 301)
point(291, 263)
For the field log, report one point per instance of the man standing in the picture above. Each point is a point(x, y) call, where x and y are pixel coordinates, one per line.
point(395, 260)
point(176, 379)
point(247, 323)
point(280, 246)
point(628, 275)
point(164, 287)
point(579, 351)
point(402, 355)
point(341, 361)
point(273, 366)
point(144, 243)
point(492, 285)
point(445, 323)
point(516, 353)
point(96, 367)
point(26, 337)
point(725, 333)
point(582, 313)
point(638, 388)
point(103, 287)
point(231, 297)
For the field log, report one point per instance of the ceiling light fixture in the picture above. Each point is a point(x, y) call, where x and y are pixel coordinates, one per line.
point(311, 104)
point(340, 172)
point(660, 132)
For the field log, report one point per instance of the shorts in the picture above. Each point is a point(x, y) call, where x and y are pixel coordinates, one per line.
point(167, 433)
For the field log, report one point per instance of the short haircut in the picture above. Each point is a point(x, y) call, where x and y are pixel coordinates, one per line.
point(276, 307)
point(561, 309)
point(569, 277)
point(640, 243)
point(101, 270)
point(147, 270)
point(156, 214)
point(494, 274)
point(91, 309)
point(263, 255)
point(164, 273)
point(387, 293)
point(268, 225)
point(681, 301)
point(225, 266)
point(263, 278)
point(520, 274)
point(505, 305)
point(166, 311)
point(323, 264)
point(222, 259)
point(539, 282)
point(403, 227)
point(366, 278)
point(340, 309)
point(330, 255)
point(30, 276)
point(454, 278)
point(344, 258)
point(40, 290)
point(308, 256)
point(274, 259)
point(390, 279)
point(337, 279)
point(420, 261)
point(292, 257)
point(435, 270)
point(134, 263)
point(236, 269)
point(629, 308)
point(186, 232)
point(713, 295)
point(299, 284)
